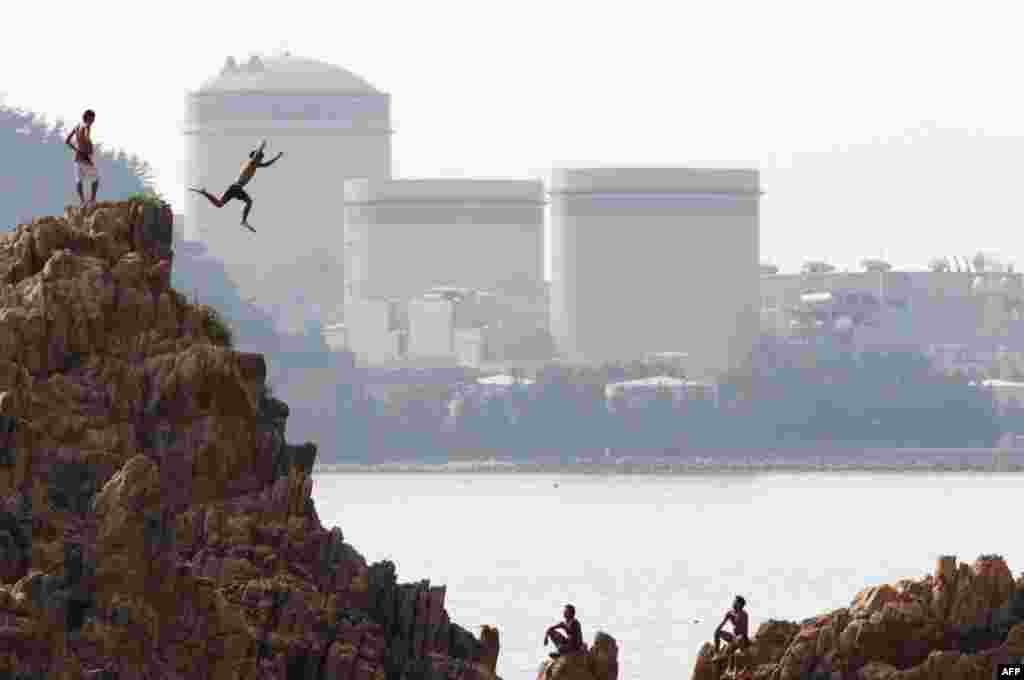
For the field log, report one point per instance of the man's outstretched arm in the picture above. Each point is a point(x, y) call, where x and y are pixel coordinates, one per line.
point(272, 160)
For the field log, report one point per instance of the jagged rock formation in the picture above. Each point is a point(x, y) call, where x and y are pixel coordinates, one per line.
point(154, 523)
point(955, 624)
point(599, 662)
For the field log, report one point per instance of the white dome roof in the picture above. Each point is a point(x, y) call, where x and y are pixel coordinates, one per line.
point(284, 73)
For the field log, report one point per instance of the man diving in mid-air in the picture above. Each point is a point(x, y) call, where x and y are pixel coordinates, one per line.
point(237, 190)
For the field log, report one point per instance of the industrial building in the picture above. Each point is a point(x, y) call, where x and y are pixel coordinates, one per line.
point(638, 254)
point(376, 330)
point(403, 237)
point(330, 124)
point(461, 259)
point(655, 260)
point(643, 391)
point(477, 327)
point(924, 310)
point(436, 316)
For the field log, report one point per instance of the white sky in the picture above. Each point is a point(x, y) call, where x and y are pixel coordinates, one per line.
point(829, 98)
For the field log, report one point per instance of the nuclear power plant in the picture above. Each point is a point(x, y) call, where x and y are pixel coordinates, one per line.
point(644, 260)
point(330, 124)
point(649, 260)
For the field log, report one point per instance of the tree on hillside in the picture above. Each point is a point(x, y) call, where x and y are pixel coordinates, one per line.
point(940, 264)
point(37, 173)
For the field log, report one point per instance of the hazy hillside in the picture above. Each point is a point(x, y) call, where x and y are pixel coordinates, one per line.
point(300, 366)
point(37, 175)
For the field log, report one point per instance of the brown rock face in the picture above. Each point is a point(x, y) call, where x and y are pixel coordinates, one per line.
point(489, 642)
point(955, 624)
point(600, 662)
point(604, 657)
point(153, 521)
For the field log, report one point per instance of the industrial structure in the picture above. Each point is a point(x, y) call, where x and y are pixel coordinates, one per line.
point(331, 124)
point(452, 270)
point(435, 267)
point(405, 236)
point(642, 391)
point(655, 260)
point(914, 309)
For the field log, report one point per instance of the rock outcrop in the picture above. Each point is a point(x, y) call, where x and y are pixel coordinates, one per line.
point(599, 662)
point(955, 624)
point(154, 523)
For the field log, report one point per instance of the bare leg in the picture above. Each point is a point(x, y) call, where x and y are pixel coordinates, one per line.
point(245, 216)
point(559, 641)
point(81, 194)
point(95, 188)
point(210, 197)
point(722, 635)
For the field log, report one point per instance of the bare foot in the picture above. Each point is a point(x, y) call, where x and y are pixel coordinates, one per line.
point(246, 225)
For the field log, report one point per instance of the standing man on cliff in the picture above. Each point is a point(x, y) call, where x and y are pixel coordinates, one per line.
point(85, 166)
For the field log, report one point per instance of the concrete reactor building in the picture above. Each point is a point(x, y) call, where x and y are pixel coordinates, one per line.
point(331, 126)
point(655, 260)
point(403, 237)
point(406, 238)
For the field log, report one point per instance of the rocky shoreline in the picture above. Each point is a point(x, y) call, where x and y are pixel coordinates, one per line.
point(957, 623)
point(154, 523)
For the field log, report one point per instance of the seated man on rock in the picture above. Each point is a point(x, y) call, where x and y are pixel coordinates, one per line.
point(572, 641)
point(738, 618)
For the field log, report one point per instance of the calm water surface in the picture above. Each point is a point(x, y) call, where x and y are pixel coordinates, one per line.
point(655, 561)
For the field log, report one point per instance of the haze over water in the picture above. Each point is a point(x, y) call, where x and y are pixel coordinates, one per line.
point(643, 557)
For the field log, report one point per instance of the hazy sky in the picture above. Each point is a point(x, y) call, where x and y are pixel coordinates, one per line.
point(882, 128)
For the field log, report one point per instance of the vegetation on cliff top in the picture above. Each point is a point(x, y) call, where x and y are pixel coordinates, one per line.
point(215, 327)
point(150, 197)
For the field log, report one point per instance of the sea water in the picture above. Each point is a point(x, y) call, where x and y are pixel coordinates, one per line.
point(656, 560)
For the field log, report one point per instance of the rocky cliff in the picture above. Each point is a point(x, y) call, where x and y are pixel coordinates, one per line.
point(154, 523)
point(957, 623)
point(600, 661)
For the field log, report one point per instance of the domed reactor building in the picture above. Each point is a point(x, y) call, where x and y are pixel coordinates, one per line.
point(331, 126)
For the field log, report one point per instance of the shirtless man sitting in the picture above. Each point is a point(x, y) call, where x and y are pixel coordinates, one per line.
point(738, 618)
point(572, 641)
point(237, 190)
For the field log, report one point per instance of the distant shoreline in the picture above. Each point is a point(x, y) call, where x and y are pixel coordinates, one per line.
point(665, 468)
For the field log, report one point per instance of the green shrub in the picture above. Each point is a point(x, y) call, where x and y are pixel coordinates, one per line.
point(149, 197)
point(215, 327)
